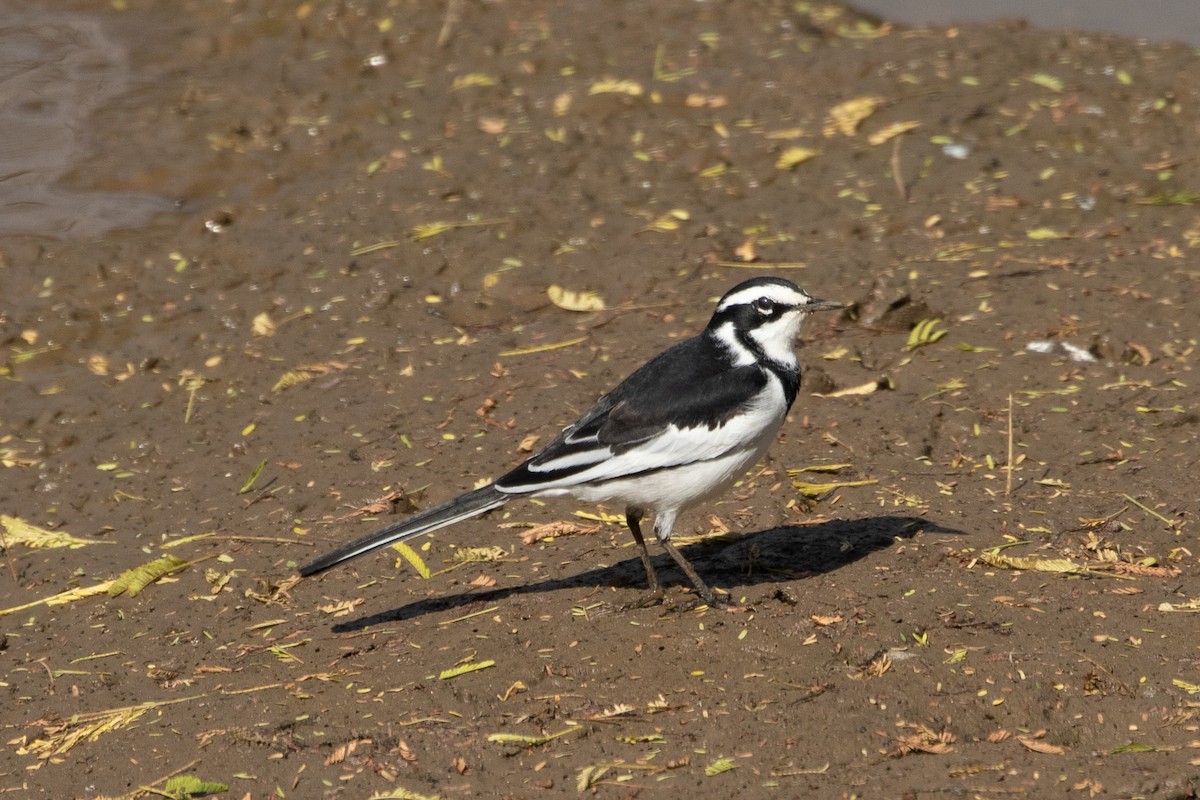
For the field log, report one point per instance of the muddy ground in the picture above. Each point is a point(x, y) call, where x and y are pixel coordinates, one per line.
point(372, 200)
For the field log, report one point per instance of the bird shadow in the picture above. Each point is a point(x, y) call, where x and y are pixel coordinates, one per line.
point(767, 556)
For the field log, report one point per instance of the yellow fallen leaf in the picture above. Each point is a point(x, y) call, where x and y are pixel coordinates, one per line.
point(1065, 566)
point(614, 86)
point(519, 738)
point(411, 557)
point(98, 364)
point(1040, 234)
point(794, 157)
point(472, 79)
point(473, 555)
point(18, 531)
point(892, 131)
point(1046, 81)
point(845, 117)
point(62, 598)
point(836, 353)
point(718, 766)
point(870, 387)
point(306, 372)
point(1187, 605)
point(132, 581)
point(786, 133)
point(463, 669)
point(816, 490)
point(262, 325)
point(668, 221)
point(571, 300)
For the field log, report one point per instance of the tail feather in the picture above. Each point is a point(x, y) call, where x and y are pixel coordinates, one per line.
point(463, 507)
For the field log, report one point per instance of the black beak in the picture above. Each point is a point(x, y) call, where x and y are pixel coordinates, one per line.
point(823, 305)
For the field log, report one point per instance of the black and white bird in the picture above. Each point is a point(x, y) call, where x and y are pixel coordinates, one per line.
point(677, 431)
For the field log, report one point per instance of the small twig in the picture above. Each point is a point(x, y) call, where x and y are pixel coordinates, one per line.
point(997, 548)
point(896, 175)
point(1170, 524)
point(49, 673)
point(452, 17)
point(1009, 469)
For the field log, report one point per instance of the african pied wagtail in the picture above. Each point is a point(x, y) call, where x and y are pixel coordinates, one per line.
point(680, 429)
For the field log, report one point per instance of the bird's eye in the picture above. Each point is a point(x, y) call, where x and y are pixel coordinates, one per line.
point(764, 305)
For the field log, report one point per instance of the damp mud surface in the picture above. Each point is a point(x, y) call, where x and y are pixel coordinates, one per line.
point(312, 295)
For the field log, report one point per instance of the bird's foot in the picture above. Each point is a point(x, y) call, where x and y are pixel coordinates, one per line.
point(710, 599)
point(652, 598)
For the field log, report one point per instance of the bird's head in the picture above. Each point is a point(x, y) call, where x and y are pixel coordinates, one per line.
point(762, 317)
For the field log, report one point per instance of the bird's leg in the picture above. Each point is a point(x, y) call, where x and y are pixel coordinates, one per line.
point(702, 589)
point(633, 518)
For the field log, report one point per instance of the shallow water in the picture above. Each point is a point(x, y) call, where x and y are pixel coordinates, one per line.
point(56, 70)
point(1161, 20)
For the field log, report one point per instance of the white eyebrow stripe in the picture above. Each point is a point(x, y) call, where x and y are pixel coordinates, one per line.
point(779, 294)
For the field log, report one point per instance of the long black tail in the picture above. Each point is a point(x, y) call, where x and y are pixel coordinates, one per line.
point(463, 507)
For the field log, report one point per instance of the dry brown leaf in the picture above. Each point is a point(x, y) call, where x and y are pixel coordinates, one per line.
point(555, 529)
point(995, 737)
point(306, 372)
point(340, 753)
point(1124, 568)
point(1040, 746)
point(745, 251)
point(492, 125)
point(1139, 352)
point(375, 507)
point(342, 607)
point(923, 739)
point(875, 668)
point(824, 620)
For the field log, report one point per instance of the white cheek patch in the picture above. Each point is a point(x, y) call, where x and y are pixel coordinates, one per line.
point(778, 337)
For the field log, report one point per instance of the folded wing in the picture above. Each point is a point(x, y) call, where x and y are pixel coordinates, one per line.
point(687, 405)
